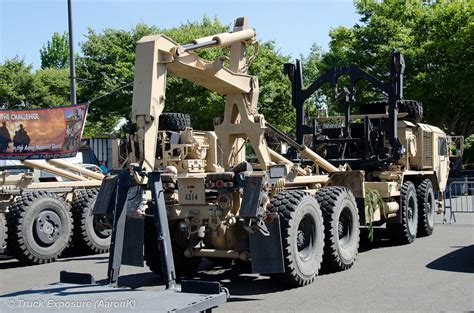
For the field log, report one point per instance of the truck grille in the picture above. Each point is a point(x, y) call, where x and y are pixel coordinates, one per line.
point(427, 149)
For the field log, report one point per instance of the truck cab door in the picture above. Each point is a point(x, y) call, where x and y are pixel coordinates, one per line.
point(442, 168)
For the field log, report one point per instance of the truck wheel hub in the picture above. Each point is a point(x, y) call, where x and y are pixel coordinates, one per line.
point(345, 227)
point(48, 227)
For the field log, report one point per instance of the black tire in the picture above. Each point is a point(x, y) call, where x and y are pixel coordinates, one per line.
point(412, 107)
point(151, 248)
point(39, 227)
point(174, 121)
point(405, 232)
point(90, 236)
point(341, 227)
point(426, 208)
point(184, 266)
point(302, 232)
point(3, 233)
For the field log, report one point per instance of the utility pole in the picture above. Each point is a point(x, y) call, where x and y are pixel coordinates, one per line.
point(72, 67)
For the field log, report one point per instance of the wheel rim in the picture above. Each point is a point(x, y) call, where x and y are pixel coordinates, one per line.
point(99, 228)
point(306, 237)
point(47, 227)
point(411, 212)
point(344, 228)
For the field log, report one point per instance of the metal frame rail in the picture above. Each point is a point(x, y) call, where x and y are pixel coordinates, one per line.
point(458, 198)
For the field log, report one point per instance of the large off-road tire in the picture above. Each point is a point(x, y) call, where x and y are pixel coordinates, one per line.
point(151, 248)
point(302, 234)
point(90, 235)
point(184, 266)
point(341, 227)
point(405, 232)
point(174, 121)
point(39, 227)
point(3, 233)
point(412, 107)
point(426, 208)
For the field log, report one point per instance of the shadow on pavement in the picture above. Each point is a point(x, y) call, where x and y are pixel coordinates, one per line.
point(460, 260)
point(380, 240)
point(8, 263)
point(90, 258)
point(11, 263)
point(241, 283)
point(236, 278)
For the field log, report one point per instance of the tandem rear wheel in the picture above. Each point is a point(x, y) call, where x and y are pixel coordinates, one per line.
point(406, 231)
point(302, 232)
point(341, 226)
point(91, 235)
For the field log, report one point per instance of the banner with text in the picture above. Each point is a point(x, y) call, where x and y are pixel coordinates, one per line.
point(41, 133)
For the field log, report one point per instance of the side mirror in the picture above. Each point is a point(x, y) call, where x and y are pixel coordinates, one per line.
point(455, 146)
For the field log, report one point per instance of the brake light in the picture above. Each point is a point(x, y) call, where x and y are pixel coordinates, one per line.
point(219, 183)
point(269, 219)
point(209, 185)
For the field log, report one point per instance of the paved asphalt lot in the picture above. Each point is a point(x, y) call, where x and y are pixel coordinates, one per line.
point(432, 274)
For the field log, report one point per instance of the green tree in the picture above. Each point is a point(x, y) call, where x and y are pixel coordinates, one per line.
point(21, 88)
point(108, 63)
point(50, 87)
point(16, 79)
point(436, 39)
point(55, 53)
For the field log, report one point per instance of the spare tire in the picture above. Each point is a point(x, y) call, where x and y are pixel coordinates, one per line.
point(412, 107)
point(174, 121)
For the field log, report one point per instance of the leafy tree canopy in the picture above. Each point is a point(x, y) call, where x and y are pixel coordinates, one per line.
point(21, 88)
point(436, 39)
point(16, 81)
point(55, 53)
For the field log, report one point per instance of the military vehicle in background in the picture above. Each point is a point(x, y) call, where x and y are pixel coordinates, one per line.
point(46, 206)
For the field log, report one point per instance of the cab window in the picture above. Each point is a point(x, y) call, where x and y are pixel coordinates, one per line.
point(442, 147)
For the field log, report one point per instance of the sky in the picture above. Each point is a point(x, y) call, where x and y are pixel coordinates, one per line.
point(26, 25)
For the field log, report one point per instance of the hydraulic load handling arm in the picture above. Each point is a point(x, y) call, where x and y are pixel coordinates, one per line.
point(157, 56)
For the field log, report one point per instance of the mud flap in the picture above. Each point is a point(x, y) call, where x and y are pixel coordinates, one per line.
point(266, 251)
point(132, 253)
point(105, 202)
point(252, 197)
point(134, 229)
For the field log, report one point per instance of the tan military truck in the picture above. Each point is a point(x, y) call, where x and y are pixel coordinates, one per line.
point(400, 161)
point(268, 210)
point(284, 216)
point(41, 215)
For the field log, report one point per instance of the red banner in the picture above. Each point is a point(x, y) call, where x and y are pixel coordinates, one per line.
point(41, 133)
